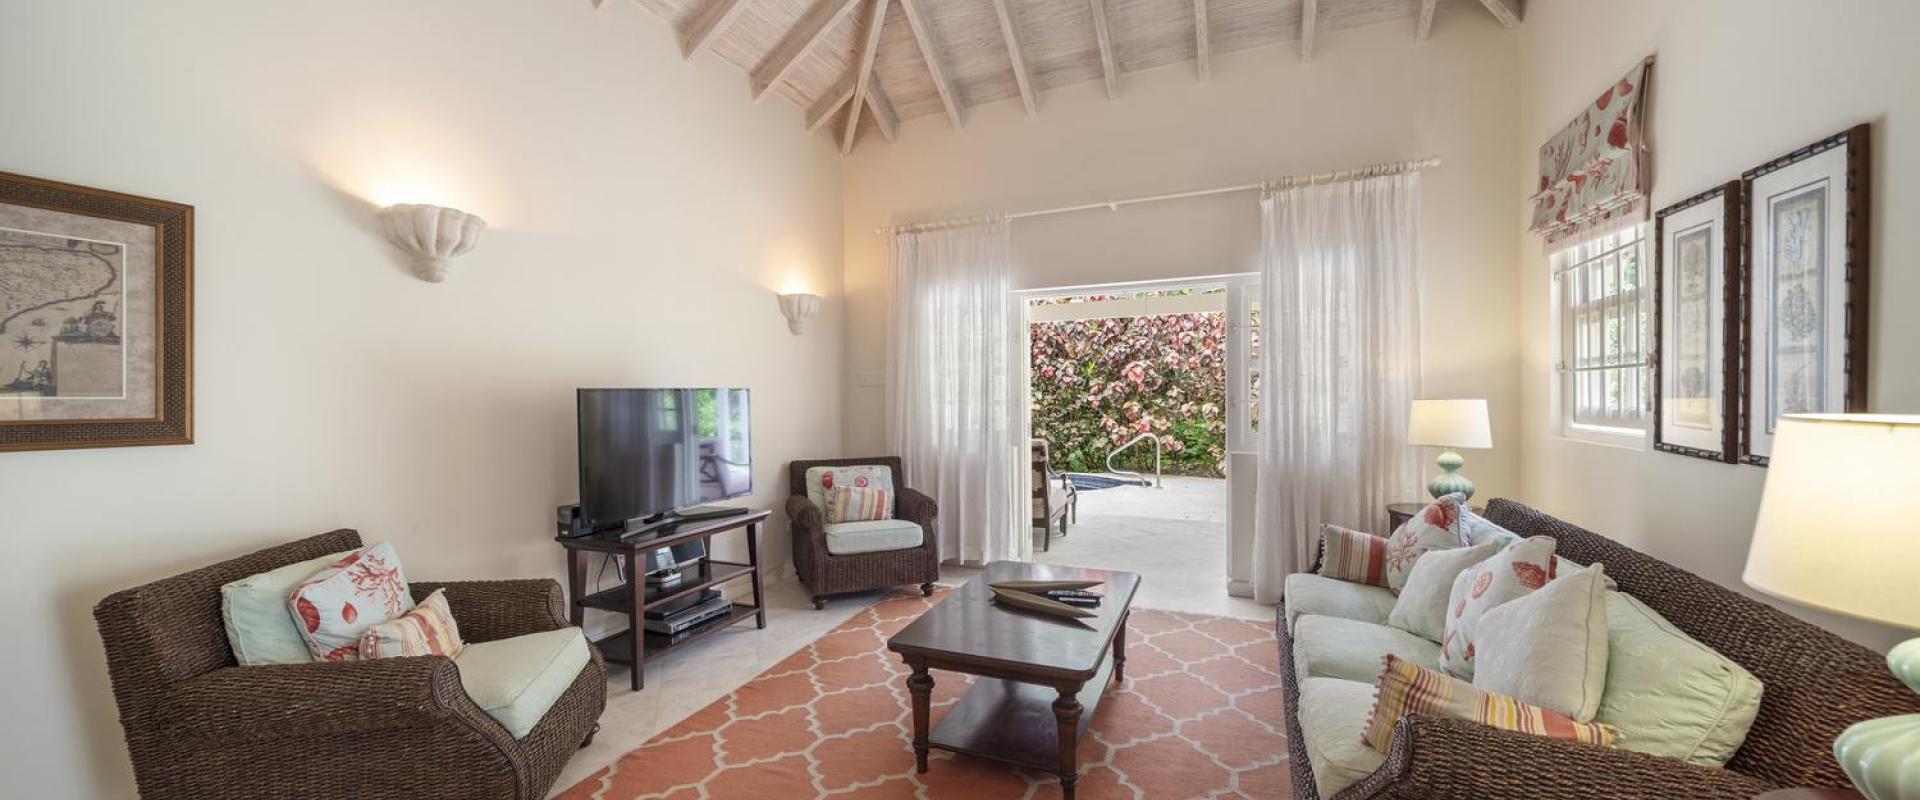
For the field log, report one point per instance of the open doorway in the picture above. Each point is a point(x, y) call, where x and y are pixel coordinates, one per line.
point(1135, 392)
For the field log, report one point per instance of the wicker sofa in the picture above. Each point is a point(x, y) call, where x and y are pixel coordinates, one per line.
point(1816, 684)
point(200, 728)
point(827, 574)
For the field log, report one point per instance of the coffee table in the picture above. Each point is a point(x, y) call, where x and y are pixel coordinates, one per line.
point(1041, 676)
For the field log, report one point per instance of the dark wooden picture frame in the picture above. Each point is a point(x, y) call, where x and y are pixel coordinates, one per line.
point(1854, 247)
point(171, 224)
point(1730, 197)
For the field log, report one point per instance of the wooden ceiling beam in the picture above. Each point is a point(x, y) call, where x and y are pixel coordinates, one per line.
point(1309, 19)
point(1014, 54)
point(869, 46)
point(1427, 7)
point(1202, 44)
point(709, 24)
point(805, 35)
point(936, 66)
point(823, 108)
point(1507, 11)
point(1109, 69)
point(882, 108)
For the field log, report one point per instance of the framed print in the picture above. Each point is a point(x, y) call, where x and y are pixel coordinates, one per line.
point(1695, 364)
point(96, 318)
point(1804, 272)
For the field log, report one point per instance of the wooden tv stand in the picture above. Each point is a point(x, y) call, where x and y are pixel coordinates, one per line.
point(632, 597)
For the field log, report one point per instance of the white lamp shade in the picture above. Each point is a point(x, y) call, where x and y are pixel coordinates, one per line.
point(1837, 527)
point(1449, 423)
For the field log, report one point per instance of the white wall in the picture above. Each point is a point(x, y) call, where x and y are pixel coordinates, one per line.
point(1737, 82)
point(1368, 96)
point(643, 213)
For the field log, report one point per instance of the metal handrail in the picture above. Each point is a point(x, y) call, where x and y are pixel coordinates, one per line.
point(1156, 482)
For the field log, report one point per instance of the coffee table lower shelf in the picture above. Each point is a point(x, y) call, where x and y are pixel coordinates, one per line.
point(1013, 722)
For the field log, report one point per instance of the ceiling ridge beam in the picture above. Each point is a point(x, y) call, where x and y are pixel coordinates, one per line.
point(869, 46)
point(797, 43)
point(1014, 54)
point(1507, 11)
point(1427, 7)
point(1202, 42)
point(707, 27)
point(1309, 19)
point(935, 65)
point(1109, 69)
point(823, 108)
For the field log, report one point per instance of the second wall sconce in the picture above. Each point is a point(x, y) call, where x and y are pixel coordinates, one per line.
point(799, 307)
point(431, 235)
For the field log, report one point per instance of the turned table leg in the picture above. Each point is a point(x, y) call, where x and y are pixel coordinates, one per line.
point(1066, 712)
point(920, 685)
point(1120, 651)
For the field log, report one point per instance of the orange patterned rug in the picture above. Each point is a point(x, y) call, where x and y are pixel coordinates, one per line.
point(1199, 716)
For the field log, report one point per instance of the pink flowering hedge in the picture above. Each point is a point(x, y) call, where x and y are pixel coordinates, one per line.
point(1098, 383)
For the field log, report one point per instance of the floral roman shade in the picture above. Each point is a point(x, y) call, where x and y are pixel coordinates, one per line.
point(1594, 172)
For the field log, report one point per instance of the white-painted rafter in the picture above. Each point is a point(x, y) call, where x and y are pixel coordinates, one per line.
point(944, 56)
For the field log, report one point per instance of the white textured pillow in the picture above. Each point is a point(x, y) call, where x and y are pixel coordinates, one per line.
point(1549, 648)
point(1522, 567)
point(1422, 607)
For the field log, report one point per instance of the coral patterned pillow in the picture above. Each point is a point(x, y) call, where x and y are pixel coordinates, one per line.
point(1522, 567)
point(341, 602)
point(856, 504)
point(821, 480)
point(427, 630)
point(1350, 555)
point(1405, 688)
point(1436, 527)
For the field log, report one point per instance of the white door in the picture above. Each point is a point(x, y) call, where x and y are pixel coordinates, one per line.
point(1243, 404)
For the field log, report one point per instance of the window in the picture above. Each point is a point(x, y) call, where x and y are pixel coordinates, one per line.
point(1600, 286)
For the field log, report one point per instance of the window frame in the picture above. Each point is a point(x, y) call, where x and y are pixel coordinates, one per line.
point(1599, 261)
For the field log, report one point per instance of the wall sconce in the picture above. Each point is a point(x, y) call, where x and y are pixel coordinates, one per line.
point(431, 235)
point(799, 307)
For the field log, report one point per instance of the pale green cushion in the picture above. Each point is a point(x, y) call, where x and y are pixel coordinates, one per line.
point(1331, 647)
point(872, 536)
point(1307, 593)
point(260, 628)
point(1670, 695)
point(1549, 648)
point(516, 680)
point(1421, 608)
point(1333, 713)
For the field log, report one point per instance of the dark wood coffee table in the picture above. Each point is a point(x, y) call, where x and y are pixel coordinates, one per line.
point(1040, 676)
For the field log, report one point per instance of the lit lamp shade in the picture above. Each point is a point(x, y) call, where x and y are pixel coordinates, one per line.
point(1449, 423)
point(1837, 527)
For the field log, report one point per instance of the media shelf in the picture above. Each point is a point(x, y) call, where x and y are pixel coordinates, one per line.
point(632, 599)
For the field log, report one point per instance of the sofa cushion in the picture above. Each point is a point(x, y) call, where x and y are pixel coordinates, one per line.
point(1405, 689)
point(1350, 555)
point(1670, 695)
point(1521, 568)
point(1333, 713)
point(1549, 648)
point(1422, 607)
point(516, 680)
point(427, 630)
point(260, 629)
point(1436, 527)
point(1331, 647)
point(1307, 593)
point(821, 479)
point(339, 603)
point(849, 538)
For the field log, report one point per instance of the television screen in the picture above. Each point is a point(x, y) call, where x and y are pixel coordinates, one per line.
point(646, 452)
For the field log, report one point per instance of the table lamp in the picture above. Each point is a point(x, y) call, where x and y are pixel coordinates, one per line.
point(1836, 532)
point(1449, 424)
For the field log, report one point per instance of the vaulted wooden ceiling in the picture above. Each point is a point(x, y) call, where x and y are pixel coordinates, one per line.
point(864, 65)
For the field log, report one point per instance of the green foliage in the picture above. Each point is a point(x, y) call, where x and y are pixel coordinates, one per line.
point(1099, 383)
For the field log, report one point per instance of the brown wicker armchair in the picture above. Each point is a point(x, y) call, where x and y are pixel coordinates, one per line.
point(201, 728)
point(827, 574)
point(1815, 685)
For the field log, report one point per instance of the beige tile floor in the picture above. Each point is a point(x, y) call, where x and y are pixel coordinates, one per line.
point(1174, 537)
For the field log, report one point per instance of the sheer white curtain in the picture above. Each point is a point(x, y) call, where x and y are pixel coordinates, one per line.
point(1339, 364)
point(956, 375)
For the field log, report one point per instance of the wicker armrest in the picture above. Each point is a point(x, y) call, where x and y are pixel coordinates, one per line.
point(916, 507)
point(1450, 759)
point(281, 701)
point(488, 611)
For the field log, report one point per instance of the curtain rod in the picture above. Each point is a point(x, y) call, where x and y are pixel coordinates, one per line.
point(1373, 171)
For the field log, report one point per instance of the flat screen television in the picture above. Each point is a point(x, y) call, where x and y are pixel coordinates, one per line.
point(648, 454)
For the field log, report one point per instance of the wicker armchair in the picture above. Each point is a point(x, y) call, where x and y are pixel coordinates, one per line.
point(827, 574)
point(1815, 685)
point(201, 728)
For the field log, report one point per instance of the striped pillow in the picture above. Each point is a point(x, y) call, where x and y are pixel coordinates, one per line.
point(858, 504)
point(427, 630)
point(1350, 555)
point(1405, 688)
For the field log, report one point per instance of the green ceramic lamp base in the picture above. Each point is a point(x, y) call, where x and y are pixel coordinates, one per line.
point(1882, 756)
point(1450, 480)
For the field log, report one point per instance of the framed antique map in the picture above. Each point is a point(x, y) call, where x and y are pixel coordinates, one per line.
point(1695, 299)
point(1805, 276)
point(96, 318)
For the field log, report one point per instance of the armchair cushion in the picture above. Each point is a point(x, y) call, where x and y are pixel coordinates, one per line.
point(874, 536)
point(858, 504)
point(821, 479)
point(339, 603)
point(516, 680)
point(427, 630)
point(260, 629)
